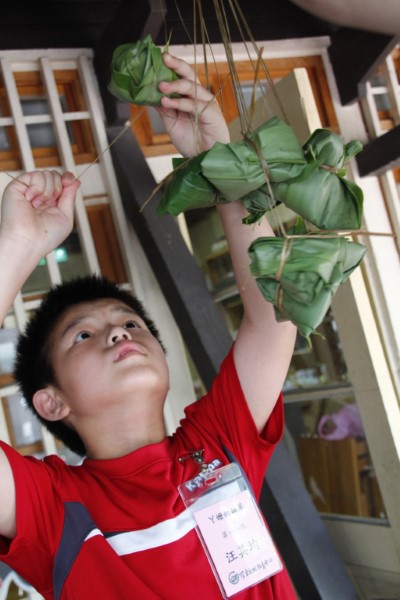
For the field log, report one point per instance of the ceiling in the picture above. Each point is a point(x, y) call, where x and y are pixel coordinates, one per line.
point(95, 23)
point(105, 24)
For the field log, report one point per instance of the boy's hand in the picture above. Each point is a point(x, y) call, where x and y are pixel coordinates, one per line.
point(37, 210)
point(179, 114)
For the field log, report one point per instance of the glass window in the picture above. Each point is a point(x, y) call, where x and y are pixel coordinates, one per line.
point(378, 80)
point(382, 102)
point(249, 90)
point(327, 440)
point(71, 259)
point(71, 262)
point(25, 427)
point(156, 122)
point(38, 280)
point(4, 143)
point(42, 136)
point(318, 361)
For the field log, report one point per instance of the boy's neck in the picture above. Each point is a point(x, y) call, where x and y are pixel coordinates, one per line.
point(109, 439)
point(115, 446)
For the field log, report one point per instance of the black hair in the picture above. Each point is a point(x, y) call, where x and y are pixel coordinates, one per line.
point(33, 369)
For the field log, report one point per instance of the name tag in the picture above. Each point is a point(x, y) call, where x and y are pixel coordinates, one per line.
point(232, 531)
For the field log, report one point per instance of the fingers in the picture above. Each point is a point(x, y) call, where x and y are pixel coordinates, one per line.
point(181, 68)
point(44, 188)
point(67, 199)
point(68, 178)
point(187, 86)
point(193, 99)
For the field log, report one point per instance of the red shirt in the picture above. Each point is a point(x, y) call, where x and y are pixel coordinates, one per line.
point(118, 528)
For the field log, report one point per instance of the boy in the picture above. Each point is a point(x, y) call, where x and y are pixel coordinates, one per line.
point(116, 527)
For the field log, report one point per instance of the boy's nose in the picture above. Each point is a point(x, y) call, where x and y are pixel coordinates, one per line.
point(117, 334)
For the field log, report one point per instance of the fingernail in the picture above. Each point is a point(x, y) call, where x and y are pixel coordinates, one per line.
point(70, 176)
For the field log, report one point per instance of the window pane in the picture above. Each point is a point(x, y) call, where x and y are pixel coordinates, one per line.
point(35, 106)
point(377, 80)
point(327, 440)
point(382, 102)
point(248, 91)
point(71, 262)
point(70, 258)
point(41, 135)
point(25, 426)
point(38, 280)
point(4, 142)
point(157, 124)
point(318, 361)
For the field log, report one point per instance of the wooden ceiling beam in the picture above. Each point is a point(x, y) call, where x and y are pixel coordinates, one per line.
point(380, 154)
point(355, 55)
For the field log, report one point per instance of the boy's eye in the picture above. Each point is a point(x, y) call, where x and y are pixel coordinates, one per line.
point(131, 325)
point(82, 335)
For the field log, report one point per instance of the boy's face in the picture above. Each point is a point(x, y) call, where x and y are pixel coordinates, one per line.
point(104, 356)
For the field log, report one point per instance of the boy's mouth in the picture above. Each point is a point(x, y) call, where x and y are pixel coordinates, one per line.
point(126, 347)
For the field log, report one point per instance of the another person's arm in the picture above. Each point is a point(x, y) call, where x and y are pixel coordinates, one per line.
point(380, 17)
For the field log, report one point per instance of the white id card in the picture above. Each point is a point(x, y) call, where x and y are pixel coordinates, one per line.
point(237, 543)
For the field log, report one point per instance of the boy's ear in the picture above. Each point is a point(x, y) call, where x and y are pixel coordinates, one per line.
point(49, 405)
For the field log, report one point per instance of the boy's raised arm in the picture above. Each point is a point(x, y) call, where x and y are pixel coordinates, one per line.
point(263, 347)
point(36, 216)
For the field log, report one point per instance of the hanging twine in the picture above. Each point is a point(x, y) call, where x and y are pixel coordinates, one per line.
point(286, 250)
point(265, 167)
point(335, 170)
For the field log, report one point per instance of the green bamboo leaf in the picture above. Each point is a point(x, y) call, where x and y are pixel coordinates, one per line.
point(187, 188)
point(319, 193)
point(136, 71)
point(239, 168)
point(309, 180)
point(302, 284)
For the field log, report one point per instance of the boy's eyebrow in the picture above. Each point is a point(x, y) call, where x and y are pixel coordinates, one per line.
point(116, 309)
point(72, 324)
point(124, 309)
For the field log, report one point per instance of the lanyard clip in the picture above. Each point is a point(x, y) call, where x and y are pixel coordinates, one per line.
point(197, 456)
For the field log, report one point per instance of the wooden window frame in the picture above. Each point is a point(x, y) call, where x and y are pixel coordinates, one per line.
point(106, 242)
point(388, 120)
point(220, 83)
point(29, 84)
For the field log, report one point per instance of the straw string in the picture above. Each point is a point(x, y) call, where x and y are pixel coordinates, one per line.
point(285, 253)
